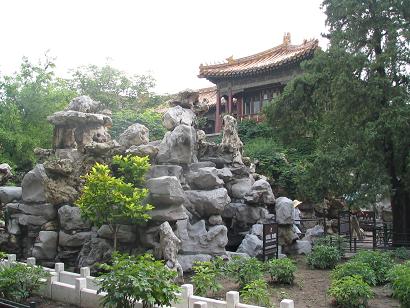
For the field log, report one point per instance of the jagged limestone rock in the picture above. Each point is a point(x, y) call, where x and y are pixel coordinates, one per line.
point(284, 211)
point(45, 247)
point(205, 178)
point(230, 139)
point(9, 194)
point(70, 219)
point(176, 116)
point(34, 185)
point(135, 135)
point(207, 202)
point(178, 146)
point(197, 240)
point(251, 245)
point(5, 173)
point(169, 247)
point(260, 193)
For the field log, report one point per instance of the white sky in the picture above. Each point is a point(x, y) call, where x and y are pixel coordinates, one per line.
point(166, 38)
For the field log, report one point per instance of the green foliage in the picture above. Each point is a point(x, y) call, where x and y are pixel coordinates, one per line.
point(131, 278)
point(206, 278)
point(244, 270)
point(323, 257)
point(250, 129)
point(336, 241)
point(131, 169)
point(19, 281)
point(256, 293)
point(355, 268)
point(379, 262)
point(399, 277)
point(106, 199)
point(112, 87)
point(401, 253)
point(3, 255)
point(126, 117)
point(200, 122)
point(281, 270)
point(352, 102)
point(351, 291)
point(26, 99)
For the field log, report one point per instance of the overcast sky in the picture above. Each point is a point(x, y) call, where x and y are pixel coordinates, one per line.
point(166, 38)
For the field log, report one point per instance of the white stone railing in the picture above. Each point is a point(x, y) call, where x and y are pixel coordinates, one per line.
point(81, 290)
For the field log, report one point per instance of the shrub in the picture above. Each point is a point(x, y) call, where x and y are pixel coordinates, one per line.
point(3, 255)
point(256, 293)
point(131, 169)
point(19, 281)
point(281, 270)
point(380, 263)
point(206, 278)
point(401, 253)
point(245, 270)
point(399, 277)
point(137, 278)
point(336, 241)
point(351, 291)
point(323, 257)
point(355, 268)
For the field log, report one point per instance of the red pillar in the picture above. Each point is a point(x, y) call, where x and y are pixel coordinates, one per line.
point(217, 113)
point(230, 107)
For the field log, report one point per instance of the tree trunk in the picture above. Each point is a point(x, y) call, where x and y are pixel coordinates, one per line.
point(400, 203)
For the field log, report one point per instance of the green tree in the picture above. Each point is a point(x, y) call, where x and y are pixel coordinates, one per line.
point(112, 87)
point(26, 99)
point(106, 199)
point(352, 103)
point(137, 278)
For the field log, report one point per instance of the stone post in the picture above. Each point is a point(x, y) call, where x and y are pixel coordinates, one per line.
point(287, 303)
point(80, 283)
point(31, 261)
point(11, 259)
point(186, 292)
point(59, 267)
point(232, 298)
point(84, 272)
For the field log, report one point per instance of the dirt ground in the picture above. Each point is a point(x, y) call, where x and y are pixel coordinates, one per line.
point(310, 290)
point(46, 303)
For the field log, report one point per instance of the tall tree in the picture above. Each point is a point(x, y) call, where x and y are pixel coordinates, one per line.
point(353, 103)
point(26, 99)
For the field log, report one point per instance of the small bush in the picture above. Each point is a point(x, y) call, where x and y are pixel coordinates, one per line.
point(355, 268)
point(323, 257)
point(256, 293)
point(351, 291)
point(380, 263)
point(206, 278)
point(399, 278)
point(19, 281)
point(133, 278)
point(244, 270)
point(3, 255)
point(336, 241)
point(401, 253)
point(281, 270)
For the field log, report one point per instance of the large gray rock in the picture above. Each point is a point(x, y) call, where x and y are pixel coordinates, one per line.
point(257, 229)
point(240, 187)
point(126, 233)
point(242, 213)
point(207, 203)
point(9, 194)
point(225, 174)
point(215, 220)
point(142, 150)
point(157, 171)
point(70, 218)
point(205, 178)
point(311, 233)
point(169, 245)
point(135, 134)
point(300, 247)
point(29, 220)
point(251, 245)
point(45, 247)
point(73, 240)
point(171, 213)
point(177, 115)
point(188, 261)
point(260, 193)
point(34, 185)
point(5, 173)
point(194, 167)
point(284, 211)
point(165, 191)
point(46, 210)
point(196, 239)
point(84, 104)
point(178, 146)
point(95, 250)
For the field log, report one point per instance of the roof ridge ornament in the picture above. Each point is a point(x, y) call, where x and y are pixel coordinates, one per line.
point(230, 59)
point(286, 38)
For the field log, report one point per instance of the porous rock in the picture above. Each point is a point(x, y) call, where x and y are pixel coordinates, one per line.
point(136, 134)
point(260, 193)
point(208, 202)
point(284, 211)
point(177, 115)
point(70, 218)
point(45, 247)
